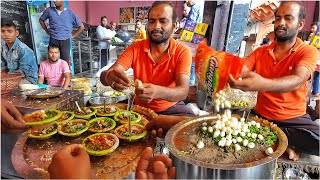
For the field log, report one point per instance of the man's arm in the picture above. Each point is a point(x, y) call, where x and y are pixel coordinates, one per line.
point(41, 80)
point(28, 64)
point(67, 80)
point(80, 29)
point(44, 26)
point(254, 82)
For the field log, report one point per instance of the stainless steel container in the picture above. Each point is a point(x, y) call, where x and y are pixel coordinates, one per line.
point(188, 168)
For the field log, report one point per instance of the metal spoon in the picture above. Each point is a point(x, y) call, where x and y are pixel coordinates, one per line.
point(80, 110)
point(104, 105)
point(129, 106)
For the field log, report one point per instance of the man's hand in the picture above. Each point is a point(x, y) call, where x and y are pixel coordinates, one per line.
point(71, 162)
point(118, 80)
point(251, 81)
point(158, 167)
point(146, 93)
point(11, 119)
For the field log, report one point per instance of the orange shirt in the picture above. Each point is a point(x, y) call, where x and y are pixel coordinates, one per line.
point(288, 105)
point(177, 61)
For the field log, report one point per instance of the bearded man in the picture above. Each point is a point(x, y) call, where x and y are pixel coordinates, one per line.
point(160, 62)
point(279, 72)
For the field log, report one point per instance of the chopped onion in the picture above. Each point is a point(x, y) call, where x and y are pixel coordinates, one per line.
point(237, 147)
point(223, 133)
point(210, 129)
point(200, 145)
point(234, 141)
point(254, 135)
point(239, 139)
point(204, 128)
point(228, 142)
point(260, 137)
point(229, 137)
point(227, 104)
point(235, 132)
point(245, 142)
point(258, 125)
point(269, 151)
point(222, 143)
point(251, 145)
point(216, 133)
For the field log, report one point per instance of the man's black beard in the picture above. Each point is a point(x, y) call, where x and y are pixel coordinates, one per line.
point(288, 36)
point(165, 37)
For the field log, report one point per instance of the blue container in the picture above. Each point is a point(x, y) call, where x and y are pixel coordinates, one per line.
point(315, 83)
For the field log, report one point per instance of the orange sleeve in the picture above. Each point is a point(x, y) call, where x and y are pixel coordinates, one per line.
point(250, 61)
point(184, 60)
point(126, 57)
point(308, 58)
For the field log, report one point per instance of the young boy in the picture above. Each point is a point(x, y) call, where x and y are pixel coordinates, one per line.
point(54, 70)
point(17, 57)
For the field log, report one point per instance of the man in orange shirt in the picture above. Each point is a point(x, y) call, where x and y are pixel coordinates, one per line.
point(160, 62)
point(280, 73)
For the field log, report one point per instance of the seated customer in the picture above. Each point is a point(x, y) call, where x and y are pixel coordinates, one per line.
point(54, 70)
point(16, 56)
point(161, 63)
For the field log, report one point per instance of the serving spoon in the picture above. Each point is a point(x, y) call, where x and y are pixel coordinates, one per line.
point(80, 110)
point(129, 106)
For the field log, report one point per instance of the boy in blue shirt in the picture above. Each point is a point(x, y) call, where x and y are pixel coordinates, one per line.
point(17, 57)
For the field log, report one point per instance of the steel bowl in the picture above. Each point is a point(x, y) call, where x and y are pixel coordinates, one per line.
point(190, 168)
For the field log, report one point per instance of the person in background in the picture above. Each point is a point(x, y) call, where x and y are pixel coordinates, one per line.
point(17, 57)
point(196, 12)
point(104, 38)
point(141, 33)
point(161, 63)
point(186, 10)
point(313, 32)
point(61, 21)
point(54, 71)
point(279, 72)
point(316, 79)
point(265, 42)
point(113, 27)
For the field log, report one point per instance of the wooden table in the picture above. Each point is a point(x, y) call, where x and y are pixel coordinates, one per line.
point(65, 101)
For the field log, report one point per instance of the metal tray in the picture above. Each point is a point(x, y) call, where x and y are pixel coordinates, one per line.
point(44, 93)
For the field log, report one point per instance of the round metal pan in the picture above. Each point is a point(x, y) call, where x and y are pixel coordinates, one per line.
point(188, 167)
